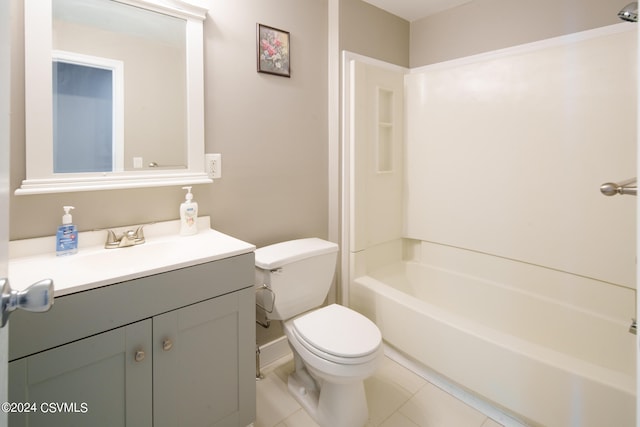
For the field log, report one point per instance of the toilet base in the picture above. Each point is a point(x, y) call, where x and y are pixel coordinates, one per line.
point(330, 405)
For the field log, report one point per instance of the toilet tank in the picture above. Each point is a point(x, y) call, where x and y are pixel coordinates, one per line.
point(299, 272)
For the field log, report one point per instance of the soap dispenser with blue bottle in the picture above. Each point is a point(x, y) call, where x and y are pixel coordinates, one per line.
point(67, 235)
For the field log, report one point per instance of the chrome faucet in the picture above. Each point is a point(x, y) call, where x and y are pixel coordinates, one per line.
point(128, 238)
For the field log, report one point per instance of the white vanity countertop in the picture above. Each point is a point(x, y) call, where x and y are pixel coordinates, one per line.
point(32, 260)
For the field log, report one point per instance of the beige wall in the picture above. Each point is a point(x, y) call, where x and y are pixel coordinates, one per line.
point(271, 131)
point(485, 25)
point(478, 26)
point(370, 31)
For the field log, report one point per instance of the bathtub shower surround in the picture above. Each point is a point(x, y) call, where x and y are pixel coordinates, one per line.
point(520, 140)
point(494, 260)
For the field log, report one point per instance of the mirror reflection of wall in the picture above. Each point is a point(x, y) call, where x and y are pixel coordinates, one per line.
point(87, 114)
point(152, 48)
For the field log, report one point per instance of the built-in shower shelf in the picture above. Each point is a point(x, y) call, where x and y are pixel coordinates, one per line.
point(384, 140)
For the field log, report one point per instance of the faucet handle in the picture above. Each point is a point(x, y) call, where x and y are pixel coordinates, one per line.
point(139, 234)
point(111, 237)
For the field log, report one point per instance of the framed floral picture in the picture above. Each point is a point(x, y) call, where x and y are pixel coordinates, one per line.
point(273, 51)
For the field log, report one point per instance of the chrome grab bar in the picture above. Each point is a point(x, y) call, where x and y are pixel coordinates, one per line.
point(628, 186)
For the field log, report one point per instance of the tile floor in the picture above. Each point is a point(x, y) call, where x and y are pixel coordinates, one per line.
point(396, 397)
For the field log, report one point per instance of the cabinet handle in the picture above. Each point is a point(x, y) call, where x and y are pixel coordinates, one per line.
point(167, 344)
point(139, 356)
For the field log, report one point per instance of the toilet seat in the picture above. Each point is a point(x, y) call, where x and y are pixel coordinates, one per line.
point(338, 334)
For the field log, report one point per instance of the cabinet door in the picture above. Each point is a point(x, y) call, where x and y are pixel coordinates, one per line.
point(206, 376)
point(95, 381)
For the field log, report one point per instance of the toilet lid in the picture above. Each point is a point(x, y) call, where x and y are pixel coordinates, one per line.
point(339, 331)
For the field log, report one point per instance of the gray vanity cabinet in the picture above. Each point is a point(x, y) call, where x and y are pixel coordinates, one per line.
point(95, 377)
point(174, 349)
point(197, 362)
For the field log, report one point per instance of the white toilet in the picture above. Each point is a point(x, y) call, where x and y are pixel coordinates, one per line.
point(335, 348)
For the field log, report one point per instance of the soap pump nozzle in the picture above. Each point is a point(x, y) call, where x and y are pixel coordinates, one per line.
point(188, 196)
point(66, 218)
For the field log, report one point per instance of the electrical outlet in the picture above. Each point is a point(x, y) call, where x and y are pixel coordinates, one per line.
point(213, 165)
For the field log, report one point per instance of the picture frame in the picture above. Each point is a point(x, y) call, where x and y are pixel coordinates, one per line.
point(273, 53)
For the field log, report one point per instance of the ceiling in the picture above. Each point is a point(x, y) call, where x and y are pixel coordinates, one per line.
point(412, 10)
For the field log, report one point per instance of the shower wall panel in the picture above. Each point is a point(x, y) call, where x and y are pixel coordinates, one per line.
point(505, 153)
point(377, 155)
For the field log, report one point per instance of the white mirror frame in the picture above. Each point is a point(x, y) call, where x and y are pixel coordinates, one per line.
point(40, 177)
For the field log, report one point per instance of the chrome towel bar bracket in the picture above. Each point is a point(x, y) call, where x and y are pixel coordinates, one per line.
point(628, 186)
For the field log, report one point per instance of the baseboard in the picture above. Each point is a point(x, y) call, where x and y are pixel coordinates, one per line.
point(274, 351)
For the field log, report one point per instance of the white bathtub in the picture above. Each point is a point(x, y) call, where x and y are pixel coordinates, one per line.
point(548, 362)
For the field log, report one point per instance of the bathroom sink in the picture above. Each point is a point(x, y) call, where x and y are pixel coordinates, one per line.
point(93, 266)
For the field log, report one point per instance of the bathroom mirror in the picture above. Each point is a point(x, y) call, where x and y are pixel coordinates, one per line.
point(113, 94)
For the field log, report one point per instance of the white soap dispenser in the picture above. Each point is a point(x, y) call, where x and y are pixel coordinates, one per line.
point(188, 214)
point(67, 235)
